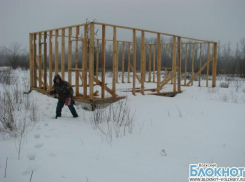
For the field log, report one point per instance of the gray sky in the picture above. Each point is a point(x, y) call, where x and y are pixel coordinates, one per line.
point(205, 19)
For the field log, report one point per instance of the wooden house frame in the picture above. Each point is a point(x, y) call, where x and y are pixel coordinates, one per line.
point(47, 42)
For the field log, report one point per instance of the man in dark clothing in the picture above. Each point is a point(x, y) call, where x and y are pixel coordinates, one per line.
point(64, 91)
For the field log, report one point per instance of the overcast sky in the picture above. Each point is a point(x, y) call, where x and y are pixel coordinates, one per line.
point(217, 20)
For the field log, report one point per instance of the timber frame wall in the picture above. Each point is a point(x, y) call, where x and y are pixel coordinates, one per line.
point(50, 39)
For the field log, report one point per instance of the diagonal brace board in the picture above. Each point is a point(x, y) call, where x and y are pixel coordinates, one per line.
point(42, 83)
point(199, 72)
point(106, 88)
point(135, 74)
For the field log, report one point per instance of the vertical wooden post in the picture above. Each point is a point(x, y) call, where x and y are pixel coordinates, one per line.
point(158, 62)
point(166, 73)
point(200, 65)
point(214, 65)
point(50, 61)
point(154, 62)
point(117, 61)
point(134, 60)
point(145, 61)
point(40, 59)
point(186, 55)
point(91, 62)
point(56, 51)
point(45, 60)
point(69, 56)
point(179, 64)
point(123, 61)
point(84, 63)
point(35, 61)
point(142, 62)
point(31, 60)
point(129, 62)
point(150, 48)
point(193, 60)
point(207, 65)
point(97, 59)
point(63, 55)
point(103, 62)
point(114, 63)
point(174, 63)
point(76, 63)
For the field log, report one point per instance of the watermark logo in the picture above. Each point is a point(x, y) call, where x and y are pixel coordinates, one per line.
point(211, 172)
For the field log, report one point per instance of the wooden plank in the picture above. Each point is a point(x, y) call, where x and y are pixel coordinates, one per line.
point(40, 59)
point(69, 56)
point(63, 55)
point(106, 88)
point(158, 62)
point(149, 77)
point(76, 64)
point(123, 61)
point(103, 62)
point(193, 60)
point(35, 59)
point(84, 62)
point(114, 60)
point(138, 78)
point(142, 62)
point(194, 76)
point(39, 78)
point(200, 65)
point(117, 61)
point(167, 79)
point(97, 59)
point(91, 61)
point(179, 64)
point(207, 65)
point(214, 65)
point(45, 60)
point(56, 52)
point(31, 60)
point(128, 62)
point(50, 61)
point(134, 60)
point(154, 62)
point(186, 55)
point(174, 64)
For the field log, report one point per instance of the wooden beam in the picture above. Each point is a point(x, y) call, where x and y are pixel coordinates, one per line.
point(76, 63)
point(84, 62)
point(128, 62)
point(97, 59)
point(40, 59)
point(200, 65)
point(186, 55)
point(149, 77)
point(179, 64)
point(106, 88)
point(158, 62)
point(123, 61)
point(56, 51)
point(142, 62)
point(154, 62)
point(193, 60)
point(117, 51)
point(63, 55)
point(50, 61)
point(134, 60)
point(174, 64)
point(114, 63)
point(194, 76)
point(207, 65)
point(138, 78)
point(31, 60)
point(45, 60)
point(103, 61)
point(214, 65)
point(69, 56)
point(91, 61)
point(35, 59)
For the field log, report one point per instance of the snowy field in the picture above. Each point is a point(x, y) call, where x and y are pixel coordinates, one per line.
point(200, 125)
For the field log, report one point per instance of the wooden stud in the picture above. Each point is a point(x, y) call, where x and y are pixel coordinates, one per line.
point(76, 63)
point(40, 59)
point(117, 59)
point(200, 65)
point(69, 56)
point(214, 65)
point(35, 58)
point(84, 62)
point(103, 61)
point(154, 62)
point(45, 60)
point(31, 60)
point(114, 64)
point(128, 62)
point(142, 62)
point(123, 61)
point(179, 64)
point(158, 62)
point(63, 55)
point(91, 61)
point(186, 55)
point(97, 59)
point(134, 61)
point(193, 60)
point(207, 77)
point(174, 64)
point(56, 51)
point(150, 48)
point(50, 61)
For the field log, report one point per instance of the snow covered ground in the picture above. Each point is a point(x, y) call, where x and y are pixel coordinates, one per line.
point(200, 125)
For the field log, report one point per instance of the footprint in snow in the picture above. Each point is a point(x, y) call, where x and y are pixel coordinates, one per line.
point(31, 156)
point(45, 124)
point(38, 145)
point(36, 136)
